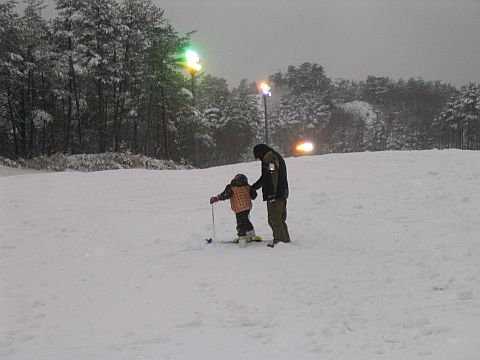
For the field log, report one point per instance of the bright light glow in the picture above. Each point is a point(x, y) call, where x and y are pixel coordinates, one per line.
point(193, 60)
point(265, 89)
point(305, 147)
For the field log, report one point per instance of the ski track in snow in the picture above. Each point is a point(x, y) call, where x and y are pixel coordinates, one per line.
point(384, 263)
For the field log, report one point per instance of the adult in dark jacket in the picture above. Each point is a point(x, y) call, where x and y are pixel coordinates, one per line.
point(274, 186)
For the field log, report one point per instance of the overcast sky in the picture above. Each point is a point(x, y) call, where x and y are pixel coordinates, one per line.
point(432, 39)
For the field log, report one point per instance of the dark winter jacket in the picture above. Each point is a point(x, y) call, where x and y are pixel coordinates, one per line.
point(239, 193)
point(273, 181)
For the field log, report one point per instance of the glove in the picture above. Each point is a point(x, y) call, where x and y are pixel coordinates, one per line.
point(213, 199)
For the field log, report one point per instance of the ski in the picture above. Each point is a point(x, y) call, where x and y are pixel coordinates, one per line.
point(259, 240)
point(236, 242)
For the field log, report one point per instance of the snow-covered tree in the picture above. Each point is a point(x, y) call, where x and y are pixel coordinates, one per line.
point(98, 38)
point(302, 116)
point(229, 122)
point(11, 81)
point(108, 75)
point(308, 77)
point(166, 81)
point(458, 125)
point(37, 54)
point(241, 120)
point(304, 108)
point(66, 36)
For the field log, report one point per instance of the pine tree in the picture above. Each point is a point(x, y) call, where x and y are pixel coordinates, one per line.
point(36, 53)
point(242, 120)
point(98, 28)
point(165, 60)
point(458, 125)
point(302, 116)
point(11, 80)
point(66, 32)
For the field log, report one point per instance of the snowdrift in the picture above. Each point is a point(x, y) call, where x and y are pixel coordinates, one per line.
point(93, 162)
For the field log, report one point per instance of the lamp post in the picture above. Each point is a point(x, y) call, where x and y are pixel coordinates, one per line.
point(193, 65)
point(265, 92)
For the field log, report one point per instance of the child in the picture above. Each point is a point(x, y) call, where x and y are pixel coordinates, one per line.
point(240, 195)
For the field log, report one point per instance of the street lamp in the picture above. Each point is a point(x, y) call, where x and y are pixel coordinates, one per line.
point(193, 65)
point(265, 92)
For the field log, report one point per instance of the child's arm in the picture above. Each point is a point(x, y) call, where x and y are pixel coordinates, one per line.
point(226, 194)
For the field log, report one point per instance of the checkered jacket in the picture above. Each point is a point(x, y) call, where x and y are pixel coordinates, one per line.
point(240, 200)
point(240, 195)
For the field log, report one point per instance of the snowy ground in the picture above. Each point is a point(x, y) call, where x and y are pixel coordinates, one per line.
point(9, 171)
point(384, 264)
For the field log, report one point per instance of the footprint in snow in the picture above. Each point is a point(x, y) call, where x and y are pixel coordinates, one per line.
point(465, 295)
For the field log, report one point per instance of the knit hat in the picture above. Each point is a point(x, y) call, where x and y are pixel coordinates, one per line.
point(239, 180)
point(260, 150)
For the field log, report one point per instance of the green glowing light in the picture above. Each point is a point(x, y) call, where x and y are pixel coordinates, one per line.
point(193, 60)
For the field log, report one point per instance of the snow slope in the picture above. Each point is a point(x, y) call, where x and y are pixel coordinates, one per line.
point(11, 171)
point(384, 264)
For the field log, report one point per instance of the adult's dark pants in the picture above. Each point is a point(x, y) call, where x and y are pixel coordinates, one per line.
point(277, 215)
point(243, 223)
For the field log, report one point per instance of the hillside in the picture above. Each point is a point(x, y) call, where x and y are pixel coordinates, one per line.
point(113, 265)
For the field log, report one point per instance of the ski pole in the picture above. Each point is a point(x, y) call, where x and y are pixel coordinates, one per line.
point(213, 222)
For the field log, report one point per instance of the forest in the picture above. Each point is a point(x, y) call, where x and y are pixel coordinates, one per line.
point(106, 76)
